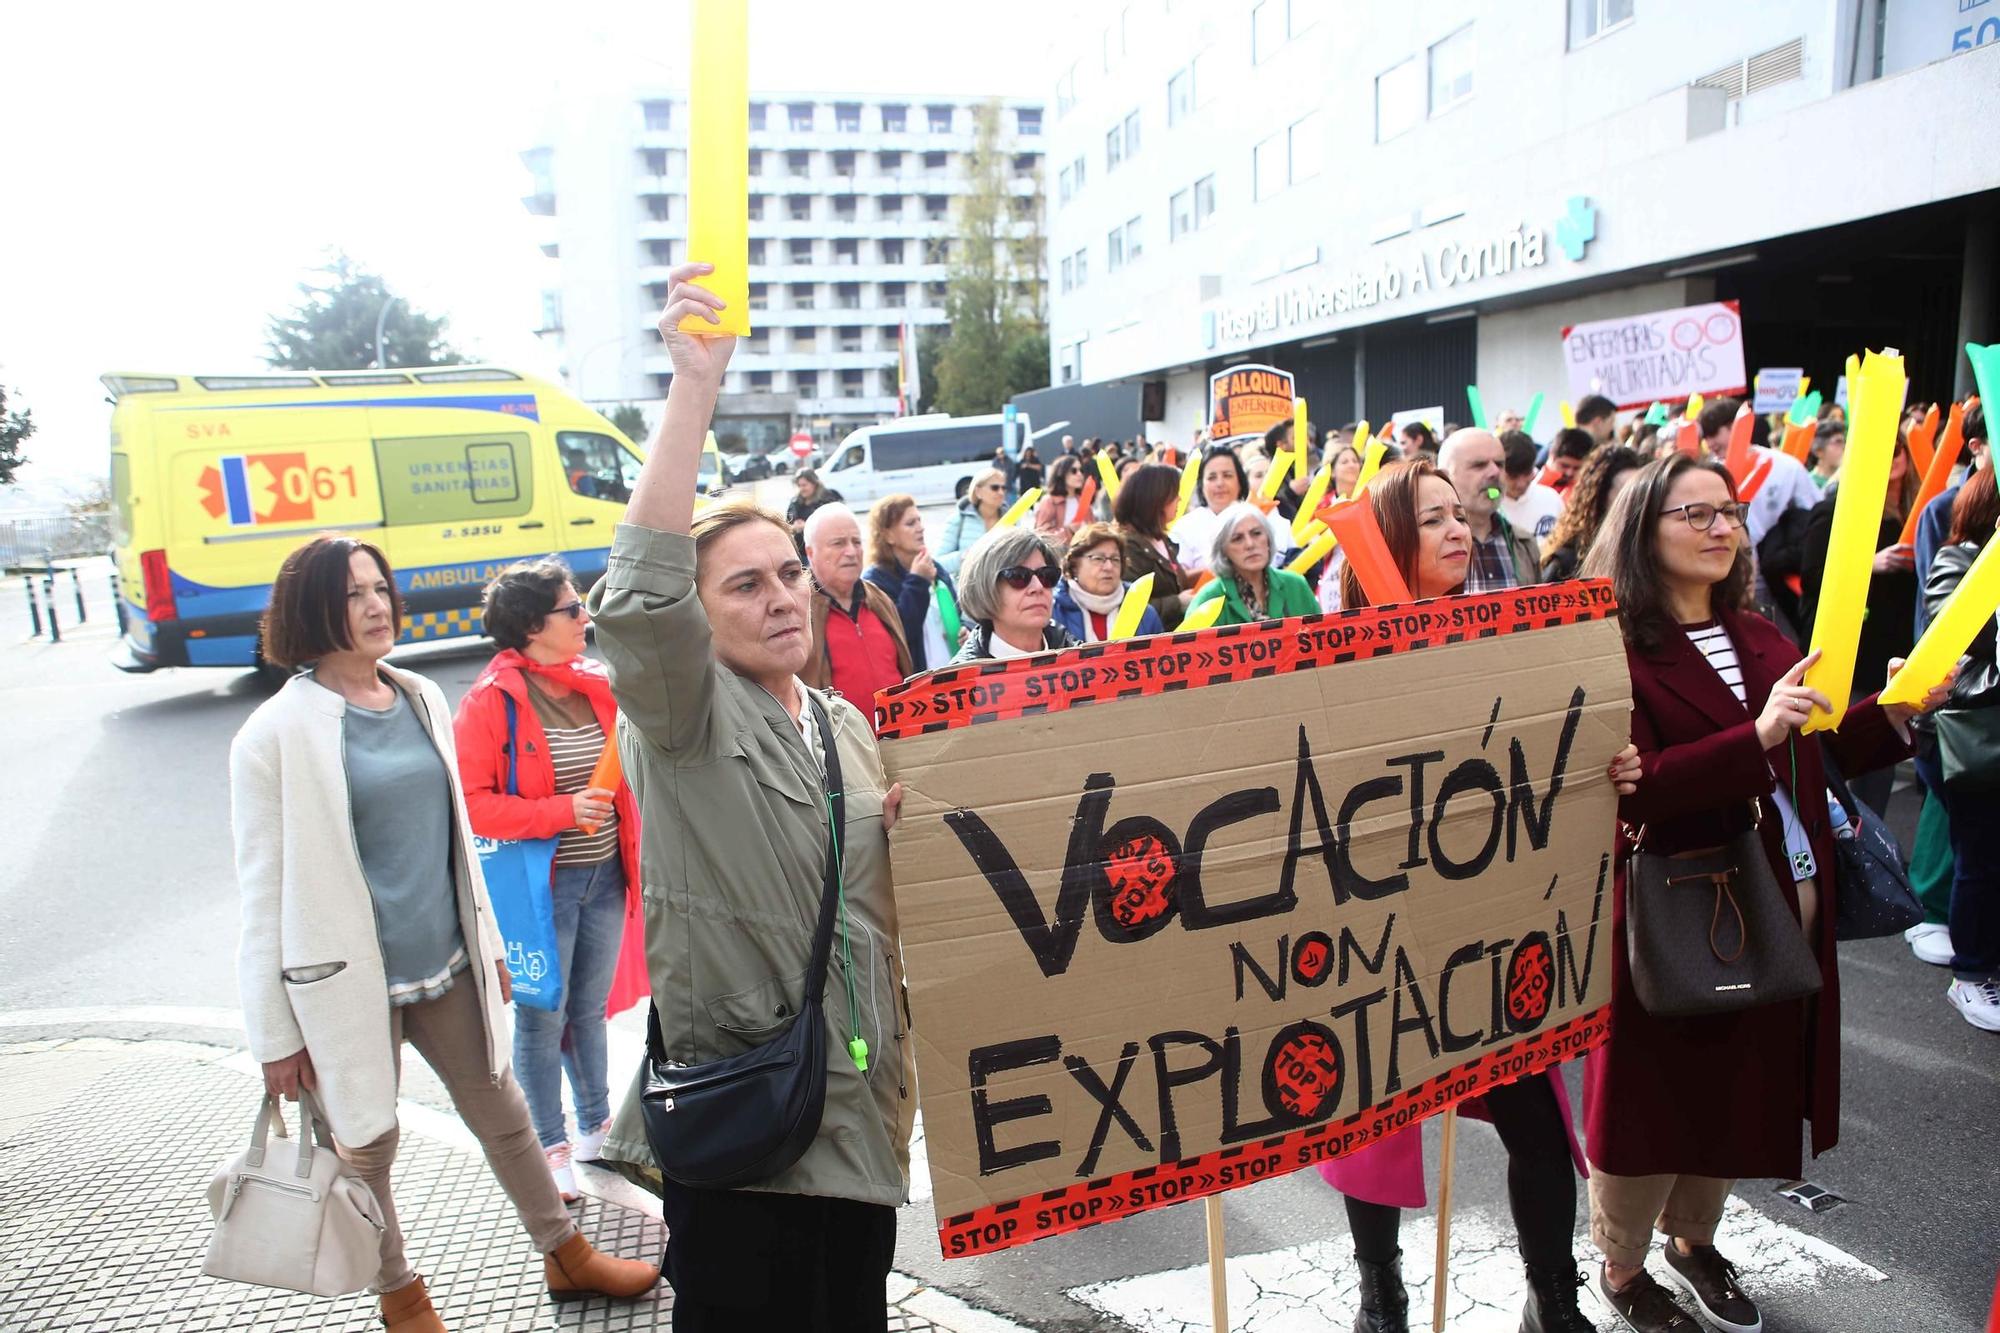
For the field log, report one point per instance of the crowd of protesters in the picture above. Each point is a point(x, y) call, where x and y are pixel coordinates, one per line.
point(743, 650)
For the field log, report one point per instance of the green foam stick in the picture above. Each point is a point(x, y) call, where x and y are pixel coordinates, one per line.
point(1985, 371)
point(1806, 408)
point(947, 608)
point(1478, 406)
point(1656, 415)
point(1534, 410)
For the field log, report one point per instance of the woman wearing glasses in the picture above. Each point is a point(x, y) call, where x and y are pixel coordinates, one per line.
point(561, 712)
point(1678, 1109)
point(1007, 592)
point(1088, 598)
point(1250, 586)
point(985, 500)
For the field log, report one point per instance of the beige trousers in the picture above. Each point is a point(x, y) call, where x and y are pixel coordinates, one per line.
point(1625, 1210)
point(448, 1033)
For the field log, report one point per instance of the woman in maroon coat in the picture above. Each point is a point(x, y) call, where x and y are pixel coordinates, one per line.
point(1677, 1109)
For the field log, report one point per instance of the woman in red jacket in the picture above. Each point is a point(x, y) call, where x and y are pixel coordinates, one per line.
point(1677, 1109)
point(563, 718)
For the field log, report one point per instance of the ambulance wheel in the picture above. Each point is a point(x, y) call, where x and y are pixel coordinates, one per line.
point(268, 674)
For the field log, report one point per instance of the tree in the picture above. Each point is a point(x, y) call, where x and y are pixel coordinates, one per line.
point(333, 326)
point(997, 343)
point(632, 421)
point(15, 428)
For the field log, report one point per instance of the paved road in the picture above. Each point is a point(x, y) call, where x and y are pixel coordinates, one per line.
point(116, 888)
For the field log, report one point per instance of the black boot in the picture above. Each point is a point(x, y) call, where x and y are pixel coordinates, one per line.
point(1552, 1306)
point(1385, 1303)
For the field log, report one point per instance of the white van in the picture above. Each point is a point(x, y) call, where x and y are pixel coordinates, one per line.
point(933, 458)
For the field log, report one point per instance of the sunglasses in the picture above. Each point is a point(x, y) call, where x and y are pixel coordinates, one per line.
point(1018, 577)
point(574, 610)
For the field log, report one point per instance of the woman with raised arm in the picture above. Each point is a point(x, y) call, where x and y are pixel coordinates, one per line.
point(706, 622)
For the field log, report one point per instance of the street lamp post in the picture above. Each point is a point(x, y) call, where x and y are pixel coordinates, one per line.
point(381, 318)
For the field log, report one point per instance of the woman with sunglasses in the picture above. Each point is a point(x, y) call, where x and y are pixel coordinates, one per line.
point(1088, 598)
point(1678, 1109)
point(562, 715)
point(1424, 526)
point(980, 508)
point(1251, 587)
point(1007, 592)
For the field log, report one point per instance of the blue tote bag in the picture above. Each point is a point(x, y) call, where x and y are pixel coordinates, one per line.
point(517, 881)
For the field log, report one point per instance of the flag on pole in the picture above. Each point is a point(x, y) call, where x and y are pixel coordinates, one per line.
point(907, 388)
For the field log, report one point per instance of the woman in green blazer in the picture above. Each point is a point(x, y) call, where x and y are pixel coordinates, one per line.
point(1245, 580)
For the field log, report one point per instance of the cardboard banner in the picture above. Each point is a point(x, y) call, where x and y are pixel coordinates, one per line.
point(1248, 400)
point(1265, 895)
point(1665, 355)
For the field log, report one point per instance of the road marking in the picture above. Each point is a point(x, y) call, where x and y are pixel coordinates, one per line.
point(1312, 1287)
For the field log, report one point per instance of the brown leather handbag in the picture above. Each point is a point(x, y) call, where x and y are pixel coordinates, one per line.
point(1708, 931)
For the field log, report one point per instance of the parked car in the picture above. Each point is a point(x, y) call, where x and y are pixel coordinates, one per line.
point(749, 467)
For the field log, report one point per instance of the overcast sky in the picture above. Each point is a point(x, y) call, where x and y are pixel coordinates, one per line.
point(169, 174)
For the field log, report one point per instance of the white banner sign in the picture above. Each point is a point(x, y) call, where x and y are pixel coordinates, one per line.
point(1777, 389)
point(1666, 355)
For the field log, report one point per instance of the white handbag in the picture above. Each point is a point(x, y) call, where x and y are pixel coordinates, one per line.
point(291, 1214)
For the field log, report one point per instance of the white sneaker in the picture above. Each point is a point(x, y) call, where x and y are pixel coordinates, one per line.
point(559, 1167)
point(1930, 941)
point(590, 1146)
point(1977, 1002)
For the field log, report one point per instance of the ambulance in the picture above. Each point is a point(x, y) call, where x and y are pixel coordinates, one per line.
point(454, 472)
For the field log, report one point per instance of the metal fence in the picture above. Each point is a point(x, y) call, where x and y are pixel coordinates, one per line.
point(32, 539)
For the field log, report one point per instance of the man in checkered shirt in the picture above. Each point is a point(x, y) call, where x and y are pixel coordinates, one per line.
point(1501, 557)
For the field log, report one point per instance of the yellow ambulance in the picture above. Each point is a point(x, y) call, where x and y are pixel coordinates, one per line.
point(454, 472)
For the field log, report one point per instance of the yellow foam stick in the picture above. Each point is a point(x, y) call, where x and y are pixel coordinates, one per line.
point(1203, 616)
point(1299, 436)
point(1281, 467)
point(1569, 415)
point(1190, 476)
point(1965, 613)
point(1133, 609)
point(1693, 407)
point(1029, 499)
point(1319, 549)
point(1805, 382)
point(719, 160)
point(1361, 433)
point(1315, 494)
point(1371, 463)
point(1109, 475)
point(1857, 520)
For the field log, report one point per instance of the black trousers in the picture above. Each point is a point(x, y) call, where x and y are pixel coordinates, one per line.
point(1541, 1181)
point(741, 1260)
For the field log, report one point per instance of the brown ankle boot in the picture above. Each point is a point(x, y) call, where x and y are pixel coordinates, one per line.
point(574, 1270)
point(407, 1309)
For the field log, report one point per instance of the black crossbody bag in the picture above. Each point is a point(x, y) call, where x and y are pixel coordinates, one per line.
point(744, 1119)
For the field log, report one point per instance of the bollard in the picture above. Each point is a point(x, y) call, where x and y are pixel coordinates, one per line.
point(49, 599)
point(34, 607)
point(76, 586)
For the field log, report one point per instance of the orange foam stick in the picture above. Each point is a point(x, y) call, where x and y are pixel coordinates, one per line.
point(607, 775)
point(1202, 580)
point(1084, 497)
point(1921, 440)
point(1938, 474)
point(1740, 459)
point(1688, 439)
point(1169, 457)
point(1550, 474)
point(1761, 473)
point(1368, 554)
point(1799, 440)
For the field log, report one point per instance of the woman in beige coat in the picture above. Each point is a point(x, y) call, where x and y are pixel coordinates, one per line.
point(365, 919)
point(706, 623)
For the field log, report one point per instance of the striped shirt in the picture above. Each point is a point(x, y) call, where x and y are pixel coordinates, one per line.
point(574, 748)
point(1714, 643)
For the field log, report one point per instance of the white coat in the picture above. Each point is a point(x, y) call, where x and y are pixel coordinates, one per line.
point(307, 908)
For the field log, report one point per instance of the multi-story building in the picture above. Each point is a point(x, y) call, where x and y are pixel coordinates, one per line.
point(851, 228)
point(1394, 201)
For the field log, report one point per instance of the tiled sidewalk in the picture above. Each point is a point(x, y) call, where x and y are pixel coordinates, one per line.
point(106, 1148)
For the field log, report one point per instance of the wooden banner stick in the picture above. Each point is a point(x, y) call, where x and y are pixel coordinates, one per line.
point(1218, 1273)
point(1439, 1293)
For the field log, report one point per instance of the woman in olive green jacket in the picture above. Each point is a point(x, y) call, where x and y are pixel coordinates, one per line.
point(706, 623)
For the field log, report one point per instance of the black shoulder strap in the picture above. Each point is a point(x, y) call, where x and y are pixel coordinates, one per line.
point(513, 745)
point(831, 887)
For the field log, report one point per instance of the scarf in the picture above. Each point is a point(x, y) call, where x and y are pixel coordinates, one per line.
point(1104, 604)
point(593, 685)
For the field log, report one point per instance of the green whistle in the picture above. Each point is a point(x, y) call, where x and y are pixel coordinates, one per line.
point(858, 1049)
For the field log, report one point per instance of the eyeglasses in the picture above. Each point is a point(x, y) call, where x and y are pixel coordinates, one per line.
point(1701, 517)
point(1018, 577)
point(1103, 558)
point(574, 610)
point(993, 486)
